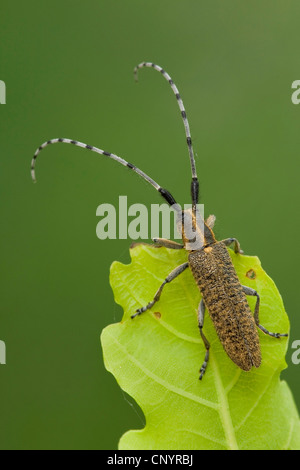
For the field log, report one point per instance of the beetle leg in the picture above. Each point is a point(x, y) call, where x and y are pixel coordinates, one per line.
point(201, 312)
point(250, 291)
point(168, 279)
point(167, 243)
point(237, 246)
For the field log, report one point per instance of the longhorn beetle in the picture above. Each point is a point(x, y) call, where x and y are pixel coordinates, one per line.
point(222, 293)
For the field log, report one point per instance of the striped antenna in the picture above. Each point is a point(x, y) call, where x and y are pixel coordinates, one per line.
point(165, 194)
point(181, 107)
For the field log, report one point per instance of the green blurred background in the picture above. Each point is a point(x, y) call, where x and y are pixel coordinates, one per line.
point(68, 68)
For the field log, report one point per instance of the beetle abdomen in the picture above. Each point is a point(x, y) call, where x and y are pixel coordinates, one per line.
point(227, 304)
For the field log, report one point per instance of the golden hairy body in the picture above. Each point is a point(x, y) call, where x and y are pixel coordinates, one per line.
point(223, 295)
point(227, 304)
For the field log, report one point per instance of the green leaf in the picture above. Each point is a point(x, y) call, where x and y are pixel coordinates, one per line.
point(156, 358)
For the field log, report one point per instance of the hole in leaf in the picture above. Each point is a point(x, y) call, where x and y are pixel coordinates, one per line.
point(251, 274)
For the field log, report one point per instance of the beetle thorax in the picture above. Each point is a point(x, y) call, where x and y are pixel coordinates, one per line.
point(196, 234)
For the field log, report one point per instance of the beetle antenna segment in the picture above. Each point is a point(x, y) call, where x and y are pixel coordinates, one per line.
point(195, 183)
point(165, 194)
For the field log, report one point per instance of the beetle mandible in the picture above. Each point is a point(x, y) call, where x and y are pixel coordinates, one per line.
point(208, 259)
